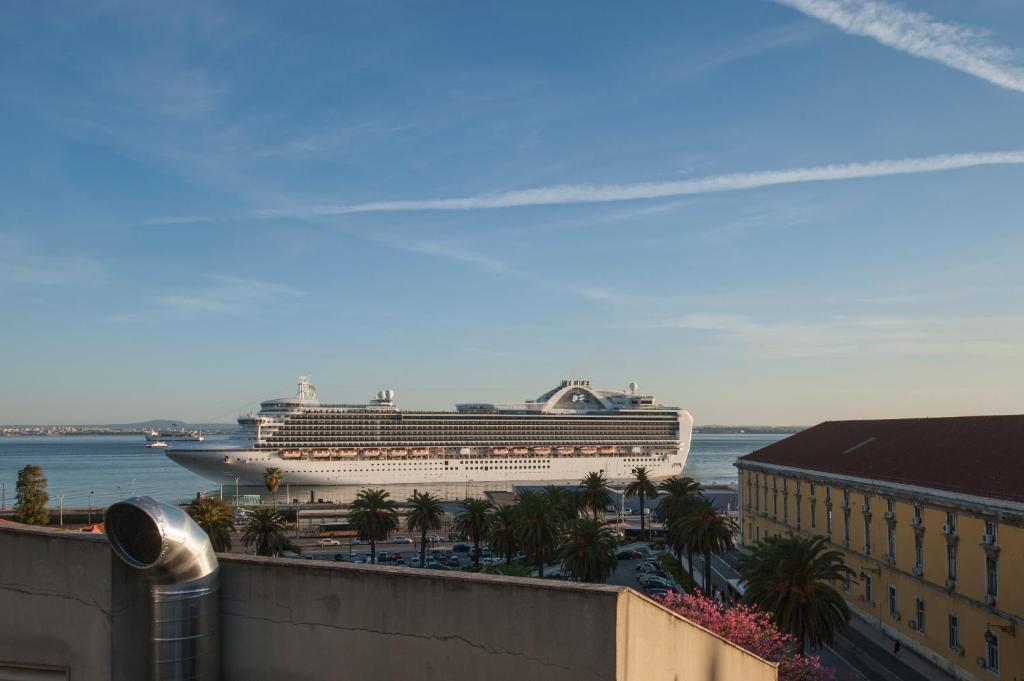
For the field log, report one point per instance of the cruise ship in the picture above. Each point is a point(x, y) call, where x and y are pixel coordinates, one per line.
point(561, 436)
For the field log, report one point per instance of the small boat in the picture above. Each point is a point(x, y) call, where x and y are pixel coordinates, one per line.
point(371, 453)
point(321, 453)
point(500, 451)
point(588, 450)
point(345, 453)
point(291, 453)
point(542, 450)
point(421, 451)
point(399, 453)
point(519, 451)
point(564, 450)
point(157, 445)
point(607, 449)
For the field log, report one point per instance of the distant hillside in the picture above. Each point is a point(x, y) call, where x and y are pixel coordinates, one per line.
point(158, 424)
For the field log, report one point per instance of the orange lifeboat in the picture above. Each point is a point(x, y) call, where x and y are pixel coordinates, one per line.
point(500, 451)
point(321, 453)
point(371, 453)
point(519, 451)
point(421, 451)
point(542, 450)
point(399, 453)
point(345, 453)
point(564, 450)
point(291, 453)
point(588, 450)
point(607, 449)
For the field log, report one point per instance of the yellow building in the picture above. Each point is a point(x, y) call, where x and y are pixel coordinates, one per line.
point(929, 514)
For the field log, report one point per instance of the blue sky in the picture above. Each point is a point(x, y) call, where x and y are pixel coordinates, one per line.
point(469, 201)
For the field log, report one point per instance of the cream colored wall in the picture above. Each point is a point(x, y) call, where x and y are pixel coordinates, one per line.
point(654, 643)
point(966, 600)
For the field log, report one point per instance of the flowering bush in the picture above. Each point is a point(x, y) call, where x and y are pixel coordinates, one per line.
point(753, 630)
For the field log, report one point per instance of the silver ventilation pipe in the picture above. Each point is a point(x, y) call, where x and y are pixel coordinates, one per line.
point(176, 556)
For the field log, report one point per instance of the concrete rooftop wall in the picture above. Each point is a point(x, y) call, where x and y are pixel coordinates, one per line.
point(66, 601)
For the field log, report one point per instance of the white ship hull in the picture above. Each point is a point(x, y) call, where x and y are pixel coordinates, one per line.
point(223, 466)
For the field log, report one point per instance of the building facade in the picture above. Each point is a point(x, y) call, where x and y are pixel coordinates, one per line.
point(929, 515)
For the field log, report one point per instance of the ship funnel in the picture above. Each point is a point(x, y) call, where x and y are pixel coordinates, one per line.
point(175, 554)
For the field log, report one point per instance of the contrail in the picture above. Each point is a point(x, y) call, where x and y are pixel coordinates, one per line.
point(960, 47)
point(569, 194)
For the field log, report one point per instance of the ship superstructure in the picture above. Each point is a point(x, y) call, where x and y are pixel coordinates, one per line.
point(567, 432)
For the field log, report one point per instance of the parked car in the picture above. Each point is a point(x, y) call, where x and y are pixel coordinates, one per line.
point(359, 559)
point(340, 558)
point(414, 561)
point(660, 574)
point(461, 548)
point(657, 593)
point(437, 566)
point(401, 540)
point(383, 556)
point(658, 588)
point(329, 542)
point(434, 538)
point(400, 561)
point(490, 561)
point(454, 562)
point(629, 554)
point(646, 580)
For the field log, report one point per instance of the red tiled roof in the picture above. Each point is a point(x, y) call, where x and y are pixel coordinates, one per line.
point(980, 455)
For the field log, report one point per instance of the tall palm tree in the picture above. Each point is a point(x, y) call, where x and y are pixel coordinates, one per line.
point(272, 478)
point(565, 503)
point(503, 532)
point(539, 529)
point(374, 516)
point(589, 551)
point(791, 578)
point(265, 528)
point(679, 495)
point(641, 487)
point(216, 519)
point(473, 522)
point(706, 531)
point(595, 493)
point(424, 515)
point(678, 490)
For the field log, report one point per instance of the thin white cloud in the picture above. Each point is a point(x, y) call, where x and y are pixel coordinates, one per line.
point(21, 264)
point(902, 336)
point(917, 33)
point(227, 295)
point(572, 194)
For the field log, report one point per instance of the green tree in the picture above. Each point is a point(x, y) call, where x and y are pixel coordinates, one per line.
point(679, 495)
point(539, 528)
point(589, 551)
point(216, 519)
point(706, 531)
point(272, 478)
point(375, 516)
point(503, 532)
point(30, 502)
point(425, 515)
point(473, 522)
point(564, 502)
point(791, 578)
point(644, 489)
point(594, 493)
point(265, 528)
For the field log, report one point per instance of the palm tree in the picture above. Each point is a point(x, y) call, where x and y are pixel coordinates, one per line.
point(503, 532)
point(272, 478)
point(425, 515)
point(265, 528)
point(473, 523)
point(791, 578)
point(707, 531)
point(565, 503)
point(589, 551)
point(539, 527)
point(681, 494)
point(374, 516)
point(595, 493)
point(216, 519)
point(643, 488)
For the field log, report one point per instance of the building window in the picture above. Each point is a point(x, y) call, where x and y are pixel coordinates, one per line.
point(919, 614)
point(919, 551)
point(992, 658)
point(846, 527)
point(785, 501)
point(991, 576)
point(954, 633)
point(950, 523)
point(757, 487)
point(846, 583)
point(990, 532)
point(917, 514)
point(799, 511)
point(890, 507)
point(893, 612)
point(867, 534)
point(951, 562)
point(775, 497)
point(867, 589)
point(892, 542)
point(846, 498)
point(828, 520)
point(750, 492)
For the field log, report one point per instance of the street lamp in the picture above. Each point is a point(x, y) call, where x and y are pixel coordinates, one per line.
point(60, 502)
point(90, 506)
point(236, 490)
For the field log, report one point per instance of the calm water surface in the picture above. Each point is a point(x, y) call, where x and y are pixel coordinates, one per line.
point(106, 465)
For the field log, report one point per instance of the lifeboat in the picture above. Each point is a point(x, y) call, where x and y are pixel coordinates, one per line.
point(399, 453)
point(607, 449)
point(345, 453)
point(499, 451)
point(421, 451)
point(371, 453)
point(321, 453)
point(564, 450)
point(542, 450)
point(291, 453)
point(588, 450)
point(519, 451)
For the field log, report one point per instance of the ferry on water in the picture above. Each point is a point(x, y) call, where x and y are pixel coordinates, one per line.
point(174, 435)
point(561, 436)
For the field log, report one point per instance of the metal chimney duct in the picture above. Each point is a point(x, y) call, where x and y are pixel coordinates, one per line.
point(176, 556)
